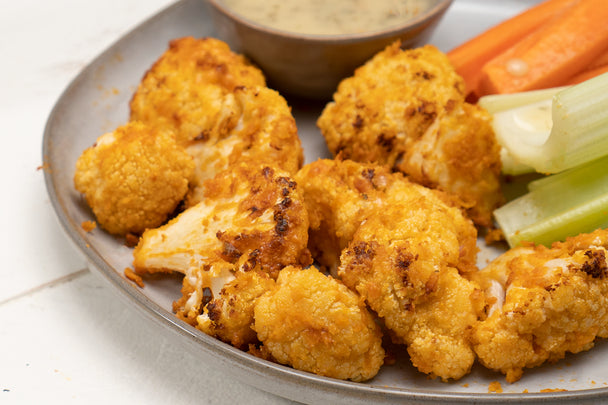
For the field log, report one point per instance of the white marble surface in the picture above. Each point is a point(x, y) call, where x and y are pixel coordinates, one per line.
point(65, 337)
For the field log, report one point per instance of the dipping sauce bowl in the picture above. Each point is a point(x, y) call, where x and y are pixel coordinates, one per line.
point(311, 65)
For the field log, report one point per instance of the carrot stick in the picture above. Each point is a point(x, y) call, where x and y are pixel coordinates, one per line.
point(552, 54)
point(469, 57)
point(595, 68)
point(599, 61)
point(587, 74)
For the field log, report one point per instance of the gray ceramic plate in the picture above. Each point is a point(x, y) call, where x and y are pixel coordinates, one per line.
point(97, 102)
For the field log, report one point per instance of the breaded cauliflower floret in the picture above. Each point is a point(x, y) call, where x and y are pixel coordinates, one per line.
point(185, 88)
point(404, 262)
point(405, 249)
point(314, 323)
point(406, 109)
point(341, 194)
point(133, 177)
point(229, 315)
point(218, 105)
point(252, 218)
point(546, 302)
point(266, 134)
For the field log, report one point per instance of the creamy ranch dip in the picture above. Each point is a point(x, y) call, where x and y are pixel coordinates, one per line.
point(328, 17)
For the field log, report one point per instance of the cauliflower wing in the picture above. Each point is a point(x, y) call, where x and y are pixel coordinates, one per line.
point(546, 302)
point(185, 88)
point(266, 133)
point(341, 194)
point(252, 218)
point(133, 177)
point(404, 262)
point(314, 323)
point(407, 109)
point(403, 248)
point(220, 109)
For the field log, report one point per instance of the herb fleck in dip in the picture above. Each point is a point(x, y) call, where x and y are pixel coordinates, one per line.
point(328, 17)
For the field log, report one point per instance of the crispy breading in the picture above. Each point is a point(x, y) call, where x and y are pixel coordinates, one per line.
point(229, 316)
point(218, 105)
point(266, 134)
point(403, 248)
point(252, 218)
point(407, 109)
point(314, 323)
point(185, 88)
point(404, 261)
point(545, 302)
point(341, 194)
point(133, 177)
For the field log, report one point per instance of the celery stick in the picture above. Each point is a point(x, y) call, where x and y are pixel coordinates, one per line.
point(494, 103)
point(511, 166)
point(589, 172)
point(581, 219)
point(580, 125)
point(517, 127)
point(558, 206)
point(559, 133)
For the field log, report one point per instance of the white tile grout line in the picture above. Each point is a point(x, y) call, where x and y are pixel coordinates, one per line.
point(50, 284)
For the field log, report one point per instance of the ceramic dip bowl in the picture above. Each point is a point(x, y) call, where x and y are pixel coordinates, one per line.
point(310, 65)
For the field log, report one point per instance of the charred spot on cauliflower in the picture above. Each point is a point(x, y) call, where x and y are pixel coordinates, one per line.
point(229, 316)
point(233, 229)
point(266, 134)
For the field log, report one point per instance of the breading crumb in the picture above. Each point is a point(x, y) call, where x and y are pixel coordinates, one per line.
point(136, 278)
point(131, 240)
point(88, 226)
point(494, 236)
point(44, 166)
point(495, 387)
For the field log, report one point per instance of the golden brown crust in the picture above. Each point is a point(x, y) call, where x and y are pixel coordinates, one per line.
point(266, 134)
point(549, 301)
point(342, 194)
point(406, 110)
point(229, 317)
point(403, 248)
point(220, 109)
point(183, 89)
point(252, 218)
point(314, 323)
point(133, 177)
point(134, 277)
point(404, 262)
point(338, 196)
